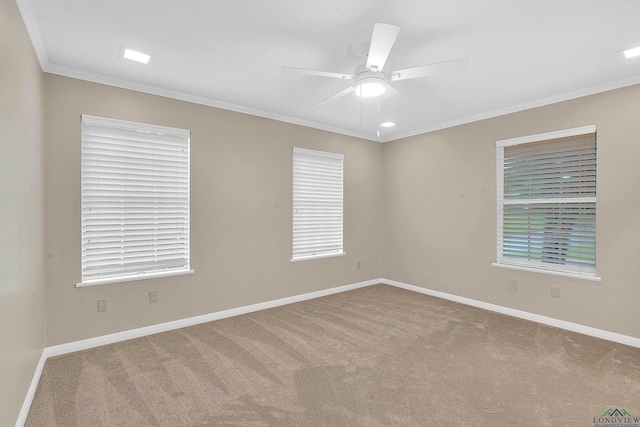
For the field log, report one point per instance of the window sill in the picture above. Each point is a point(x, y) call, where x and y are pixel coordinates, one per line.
point(306, 258)
point(552, 272)
point(133, 278)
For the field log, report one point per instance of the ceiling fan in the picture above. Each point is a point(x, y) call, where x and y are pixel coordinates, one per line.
point(371, 79)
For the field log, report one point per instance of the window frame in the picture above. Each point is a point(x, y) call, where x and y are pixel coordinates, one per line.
point(327, 155)
point(144, 273)
point(527, 265)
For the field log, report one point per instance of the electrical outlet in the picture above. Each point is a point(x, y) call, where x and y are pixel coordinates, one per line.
point(358, 265)
point(102, 305)
point(513, 285)
point(153, 296)
point(555, 291)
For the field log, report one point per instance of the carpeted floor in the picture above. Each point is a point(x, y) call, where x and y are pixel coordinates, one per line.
point(377, 356)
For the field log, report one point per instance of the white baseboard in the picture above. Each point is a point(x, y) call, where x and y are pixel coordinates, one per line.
point(58, 350)
point(168, 326)
point(26, 405)
point(563, 324)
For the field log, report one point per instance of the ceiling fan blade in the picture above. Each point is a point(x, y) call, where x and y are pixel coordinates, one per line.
point(446, 67)
point(318, 73)
point(384, 36)
point(336, 96)
point(393, 94)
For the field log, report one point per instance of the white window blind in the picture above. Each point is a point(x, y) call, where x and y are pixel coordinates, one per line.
point(317, 204)
point(135, 200)
point(547, 201)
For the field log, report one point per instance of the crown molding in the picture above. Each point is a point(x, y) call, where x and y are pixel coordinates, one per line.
point(33, 30)
point(196, 99)
point(567, 96)
point(28, 16)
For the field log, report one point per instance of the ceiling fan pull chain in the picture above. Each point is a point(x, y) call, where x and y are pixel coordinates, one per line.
point(360, 99)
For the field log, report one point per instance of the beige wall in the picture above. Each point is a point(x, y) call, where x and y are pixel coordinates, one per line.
point(241, 208)
point(21, 213)
point(420, 210)
point(439, 213)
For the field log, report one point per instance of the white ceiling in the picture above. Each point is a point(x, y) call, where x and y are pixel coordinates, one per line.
point(228, 53)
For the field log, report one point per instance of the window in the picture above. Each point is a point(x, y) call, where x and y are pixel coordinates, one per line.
point(135, 201)
point(317, 204)
point(546, 186)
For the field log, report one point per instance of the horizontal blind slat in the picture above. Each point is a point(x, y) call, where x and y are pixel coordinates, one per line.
point(547, 202)
point(317, 203)
point(135, 198)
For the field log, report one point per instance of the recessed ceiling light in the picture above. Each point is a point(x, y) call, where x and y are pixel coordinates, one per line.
point(387, 124)
point(630, 53)
point(136, 56)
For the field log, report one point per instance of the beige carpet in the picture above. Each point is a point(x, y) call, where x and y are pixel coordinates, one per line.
point(370, 357)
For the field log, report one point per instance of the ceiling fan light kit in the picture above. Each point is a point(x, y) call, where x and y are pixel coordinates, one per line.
point(370, 86)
